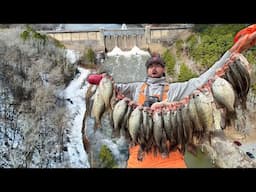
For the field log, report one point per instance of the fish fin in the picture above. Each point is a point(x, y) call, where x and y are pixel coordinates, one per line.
point(86, 143)
point(116, 133)
point(97, 125)
point(140, 154)
point(192, 148)
point(210, 138)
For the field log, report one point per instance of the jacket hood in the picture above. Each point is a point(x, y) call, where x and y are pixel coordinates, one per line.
point(151, 80)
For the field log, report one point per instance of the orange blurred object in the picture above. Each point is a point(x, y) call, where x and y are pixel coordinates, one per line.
point(175, 160)
point(248, 30)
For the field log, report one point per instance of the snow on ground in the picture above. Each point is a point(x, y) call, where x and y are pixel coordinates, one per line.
point(76, 93)
point(134, 51)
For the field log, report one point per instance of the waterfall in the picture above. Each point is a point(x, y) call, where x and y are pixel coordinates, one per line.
point(126, 66)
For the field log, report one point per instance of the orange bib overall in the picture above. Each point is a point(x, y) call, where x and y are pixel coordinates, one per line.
point(175, 158)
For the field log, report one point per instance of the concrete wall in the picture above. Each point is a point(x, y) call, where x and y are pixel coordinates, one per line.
point(76, 35)
point(125, 42)
point(125, 39)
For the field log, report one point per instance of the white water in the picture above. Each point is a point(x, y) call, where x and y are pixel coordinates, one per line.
point(134, 51)
point(76, 93)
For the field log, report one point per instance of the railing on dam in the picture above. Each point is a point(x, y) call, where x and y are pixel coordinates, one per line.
point(124, 32)
point(107, 39)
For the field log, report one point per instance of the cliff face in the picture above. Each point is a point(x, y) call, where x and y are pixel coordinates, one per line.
point(35, 128)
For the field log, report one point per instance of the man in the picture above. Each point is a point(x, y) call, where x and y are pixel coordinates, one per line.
point(155, 88)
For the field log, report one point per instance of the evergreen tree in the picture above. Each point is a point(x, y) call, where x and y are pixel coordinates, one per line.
point(90, 56)
point(185, 73)
point(169, 60)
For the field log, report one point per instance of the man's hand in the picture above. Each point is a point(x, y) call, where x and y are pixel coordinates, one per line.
point(245, 41)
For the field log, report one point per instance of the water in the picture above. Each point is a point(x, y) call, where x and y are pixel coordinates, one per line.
point(126, 66)
point(201, 160)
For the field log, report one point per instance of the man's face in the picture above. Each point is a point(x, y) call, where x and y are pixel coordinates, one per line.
point(155, 70)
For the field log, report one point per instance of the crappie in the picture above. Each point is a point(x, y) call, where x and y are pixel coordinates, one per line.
point(119, 113)
point(134, 124)
point(106, 90)
point(98, 109)
point(223, 93)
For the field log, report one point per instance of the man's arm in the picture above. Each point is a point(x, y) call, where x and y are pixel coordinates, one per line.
point(180, 90)
point(244, 39)
point(127, 89)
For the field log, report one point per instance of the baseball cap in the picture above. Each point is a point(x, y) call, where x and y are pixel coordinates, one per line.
point(155, 58)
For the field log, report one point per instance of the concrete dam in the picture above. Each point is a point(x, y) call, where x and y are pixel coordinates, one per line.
point(125, 39)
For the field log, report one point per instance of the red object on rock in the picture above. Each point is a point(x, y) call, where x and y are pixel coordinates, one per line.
point(94, 78)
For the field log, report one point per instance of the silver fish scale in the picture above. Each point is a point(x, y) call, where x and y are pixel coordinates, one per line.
point(158, 128)
point(119, 113)
point(167, 123)
point(134, 124)
point(106, 90)
point(174, 126)
point(223, 93)
point(146, 128)
point(204, 110)
point(98, 108)
point(194, 115)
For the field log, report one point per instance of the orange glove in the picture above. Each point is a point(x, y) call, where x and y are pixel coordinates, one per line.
point(248, 30)
point(244, 39)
